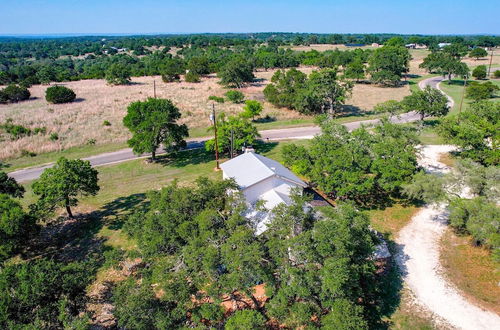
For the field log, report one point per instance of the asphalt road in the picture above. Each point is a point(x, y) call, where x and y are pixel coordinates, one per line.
point(309, 132)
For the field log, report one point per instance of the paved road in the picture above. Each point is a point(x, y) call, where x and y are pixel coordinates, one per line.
point(309, 132)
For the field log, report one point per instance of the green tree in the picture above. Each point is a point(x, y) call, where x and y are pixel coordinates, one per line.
point(236, 72)
point(331, 90)
point(245, 319)
point(244, 133)
point(172, 69)
point(9, 186)
point(14, 93)
point(252, 109)
point(359, 166)
point(484, 91)
point(192, 77)
point(475, 131)
point(118, 74)
point(59, 94)
point(479, 72)
point(235, 96)
point(445, 64)
point(284, 86)
point(15, 227)
point(478, 52)
point(355, 70)
point(428, 102)
point(44, 294)
point(457, 50)
point(388, 64)
point(392, 107)
point(198, 65)
point(60, 186)
point(344, 316)
point(153, 123)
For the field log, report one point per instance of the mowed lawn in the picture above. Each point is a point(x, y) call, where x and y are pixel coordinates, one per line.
point(455, 90)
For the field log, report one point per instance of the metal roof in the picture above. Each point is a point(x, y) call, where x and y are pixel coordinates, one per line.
point(251, 168)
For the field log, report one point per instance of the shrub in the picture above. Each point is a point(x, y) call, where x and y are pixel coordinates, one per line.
point(14, 93)
point(16, 131)
point(40, 130)
point(479, 72)
point(91, 142)
point(496, 74)
point(477, 91)
point(106, 123)
point(252, 109)
point(246, 319)
point(216, 99)
point(54, 136)
point(167, 78)
point(59, 94)
point(235, 96)
point(192, 77)
point(27, 153)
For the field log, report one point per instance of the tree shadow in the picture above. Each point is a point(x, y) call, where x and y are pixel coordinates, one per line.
point(186, 157)
point(262, 147)
point(266, 119)
point(353, 111)
point(78, 100)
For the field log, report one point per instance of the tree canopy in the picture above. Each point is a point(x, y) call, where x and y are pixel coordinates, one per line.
point(10, 186)
point(236, 72)
point(153, 123)
point(357, 165)
point(60, 185)
point(388, 64)
point(244, 133)
point(202, 251)
point(429, 102)
point(476, 132)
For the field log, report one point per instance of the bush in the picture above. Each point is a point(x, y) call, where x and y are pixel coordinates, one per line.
point(477, 91)
point(14, 93)
point(252, 109)
point(167, 78)
point(59, 94)
point(27, 153)
point(40, 130)
point(54, 137)
point(192, 77)
point(246, 319)
point(496, 74)
point(479, 72)
point(216, 99)
point(106, 123)
point(16, 131)
point(91, 142)
point(235, 96)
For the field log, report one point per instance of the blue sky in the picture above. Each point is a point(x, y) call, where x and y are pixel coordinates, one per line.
point(191, 16)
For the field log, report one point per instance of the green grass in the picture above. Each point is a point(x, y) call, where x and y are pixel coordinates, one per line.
point(455, 90)
point(75, 152)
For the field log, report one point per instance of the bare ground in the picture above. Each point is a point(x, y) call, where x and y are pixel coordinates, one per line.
point(418, 257)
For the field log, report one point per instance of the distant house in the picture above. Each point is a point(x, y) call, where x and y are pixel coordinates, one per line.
point(411, 46)
point(262, 179)
point(443, 44)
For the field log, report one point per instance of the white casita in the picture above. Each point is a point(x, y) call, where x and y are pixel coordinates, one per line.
point(262, 179)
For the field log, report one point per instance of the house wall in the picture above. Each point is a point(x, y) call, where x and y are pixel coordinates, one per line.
point(253, 193)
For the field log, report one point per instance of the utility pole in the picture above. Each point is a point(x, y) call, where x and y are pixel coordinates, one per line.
point(491, 60)
point(214, 120)
point(154, 88)
point(462, 100)
point(232, 143)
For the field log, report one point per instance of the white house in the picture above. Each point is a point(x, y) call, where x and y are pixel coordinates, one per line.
point(261, 178)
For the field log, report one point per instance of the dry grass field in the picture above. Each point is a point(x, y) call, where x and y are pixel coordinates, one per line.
point(78, 122)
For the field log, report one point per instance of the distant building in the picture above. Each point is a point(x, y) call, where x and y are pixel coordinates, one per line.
point(411, 46)
point(262, 179)
point(443, 44)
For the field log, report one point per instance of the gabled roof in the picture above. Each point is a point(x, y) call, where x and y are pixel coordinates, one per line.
point(250, 168)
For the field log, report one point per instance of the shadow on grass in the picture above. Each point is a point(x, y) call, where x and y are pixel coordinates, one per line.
point(262, 147)
point(266, 119)
point(353, 111)
point(76, 239)
point(187, 157)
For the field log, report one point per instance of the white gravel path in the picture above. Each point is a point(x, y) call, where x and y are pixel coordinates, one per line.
point(418, 258)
